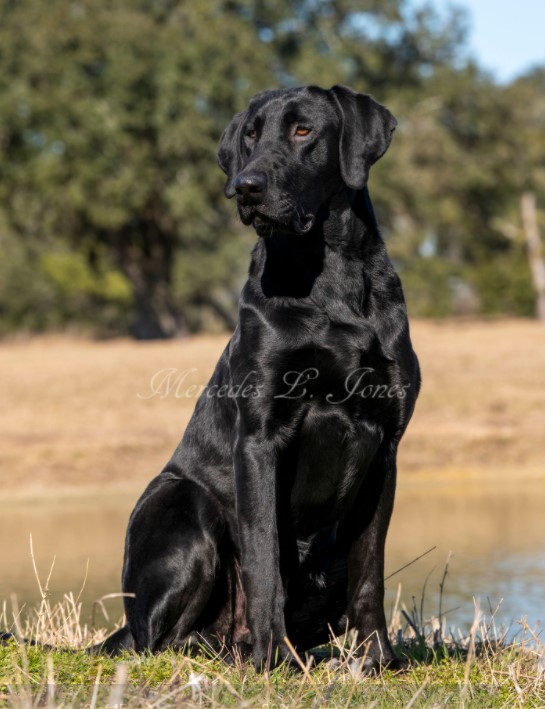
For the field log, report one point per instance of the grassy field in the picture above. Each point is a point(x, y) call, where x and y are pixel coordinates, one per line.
point(77, 416)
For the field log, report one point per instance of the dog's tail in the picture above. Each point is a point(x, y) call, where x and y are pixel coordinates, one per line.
point(113, 645)
point(5, 638)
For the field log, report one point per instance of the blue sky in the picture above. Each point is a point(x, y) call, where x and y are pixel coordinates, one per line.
point(506, 36)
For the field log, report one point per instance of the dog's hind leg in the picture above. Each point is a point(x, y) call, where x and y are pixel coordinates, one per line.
point(171, 562)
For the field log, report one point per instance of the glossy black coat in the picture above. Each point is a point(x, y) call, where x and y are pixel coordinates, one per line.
point(271, 517)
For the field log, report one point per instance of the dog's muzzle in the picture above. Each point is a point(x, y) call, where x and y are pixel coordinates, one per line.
point(264, 224)
point(251, 187)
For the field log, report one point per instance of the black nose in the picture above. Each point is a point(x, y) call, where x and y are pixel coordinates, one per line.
point(251, 186)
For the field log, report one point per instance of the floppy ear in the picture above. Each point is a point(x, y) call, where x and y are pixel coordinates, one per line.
point(365, 134)
point(229, 153)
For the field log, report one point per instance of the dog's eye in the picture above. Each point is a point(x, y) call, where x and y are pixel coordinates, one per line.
point(302, 131)
point(251, 134)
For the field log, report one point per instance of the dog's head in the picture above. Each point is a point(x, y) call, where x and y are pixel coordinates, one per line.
point(292, 149)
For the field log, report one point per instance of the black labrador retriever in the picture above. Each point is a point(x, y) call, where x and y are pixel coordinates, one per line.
point(270, 519)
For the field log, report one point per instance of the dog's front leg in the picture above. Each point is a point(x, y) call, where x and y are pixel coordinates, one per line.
point(256, 490)
point(367, 529)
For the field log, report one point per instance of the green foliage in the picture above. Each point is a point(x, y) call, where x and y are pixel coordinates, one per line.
point(55, 288)
point(428, 285)
point(110, 115)
point(26, 294)
point(71, 274)
point(504, 283)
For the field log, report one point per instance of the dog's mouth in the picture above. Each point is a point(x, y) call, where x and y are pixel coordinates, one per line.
point(264, 224)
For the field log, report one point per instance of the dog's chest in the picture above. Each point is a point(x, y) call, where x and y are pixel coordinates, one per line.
point(349, 392)
point(339, 395)
point(329, 461)
point(326, 393)
point(339, 366)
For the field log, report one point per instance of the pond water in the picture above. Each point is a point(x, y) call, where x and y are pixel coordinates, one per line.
point(495, 531)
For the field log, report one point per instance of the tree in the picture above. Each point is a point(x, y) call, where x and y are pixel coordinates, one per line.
point(109, 118)
point(110, 114)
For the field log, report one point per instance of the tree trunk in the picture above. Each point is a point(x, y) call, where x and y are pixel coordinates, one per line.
point(156, 316)
point(147, 263)
point(227, 315)
point(535, 250)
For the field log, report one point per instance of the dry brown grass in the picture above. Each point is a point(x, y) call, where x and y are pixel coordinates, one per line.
point(482, 406)
point(72, 417)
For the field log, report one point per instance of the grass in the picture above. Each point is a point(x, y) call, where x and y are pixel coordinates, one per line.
point(479, 668)
point(476, 669)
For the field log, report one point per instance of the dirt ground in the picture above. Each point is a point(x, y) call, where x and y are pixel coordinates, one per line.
point(78, 413)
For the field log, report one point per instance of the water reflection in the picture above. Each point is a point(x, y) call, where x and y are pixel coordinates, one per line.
point(83, 537)
point(494, 530)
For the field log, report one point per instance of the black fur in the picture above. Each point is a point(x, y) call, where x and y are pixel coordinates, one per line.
point(271, 517)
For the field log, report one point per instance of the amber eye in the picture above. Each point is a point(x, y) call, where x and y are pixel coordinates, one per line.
point(251, 134)
point(302, 131)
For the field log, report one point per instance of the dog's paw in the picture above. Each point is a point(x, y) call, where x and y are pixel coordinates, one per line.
point(372, 667)
point(269, 658)
point(398, 664)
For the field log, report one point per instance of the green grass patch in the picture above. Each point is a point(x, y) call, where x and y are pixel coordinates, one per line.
point(32, 676)
point(448, 669)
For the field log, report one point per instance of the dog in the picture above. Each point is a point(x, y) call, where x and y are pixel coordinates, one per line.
point(269, 522)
